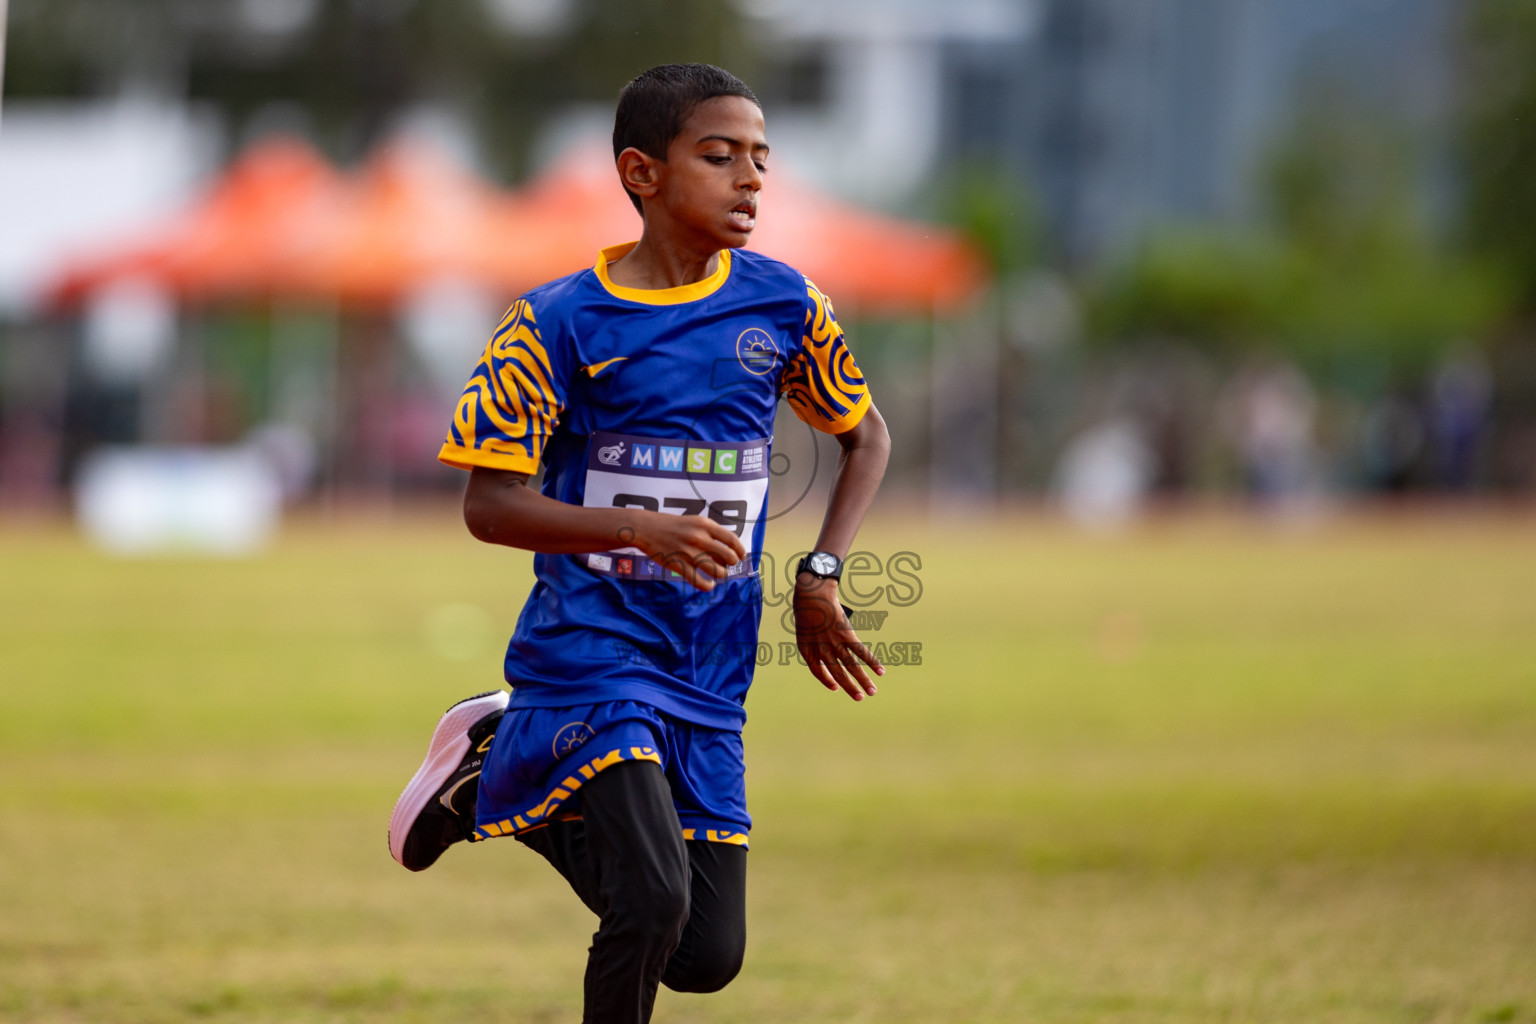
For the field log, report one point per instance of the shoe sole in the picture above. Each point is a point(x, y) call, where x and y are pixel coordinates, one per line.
point(450, 742)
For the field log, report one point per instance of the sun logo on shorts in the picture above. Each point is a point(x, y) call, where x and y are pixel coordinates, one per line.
point(571, 736)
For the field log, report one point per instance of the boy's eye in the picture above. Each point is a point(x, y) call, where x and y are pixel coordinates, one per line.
point(717, 159)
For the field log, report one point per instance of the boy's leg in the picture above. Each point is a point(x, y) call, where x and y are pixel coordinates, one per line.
point(715, 937)
point(707, 773)
point(714, 940)
point(628, 862)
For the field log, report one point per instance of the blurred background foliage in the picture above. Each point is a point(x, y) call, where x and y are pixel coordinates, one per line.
point(1346, 258)
point(1498, 142)
point(1342, 263)
point(997, 211)
point(1158, 216)
point(353, 65)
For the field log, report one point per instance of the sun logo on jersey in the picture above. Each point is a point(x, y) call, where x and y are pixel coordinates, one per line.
point(756, 351)
point(571, 736)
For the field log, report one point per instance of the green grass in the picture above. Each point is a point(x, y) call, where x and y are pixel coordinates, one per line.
point(1208, 771)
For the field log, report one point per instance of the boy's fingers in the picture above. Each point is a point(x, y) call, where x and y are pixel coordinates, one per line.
point(705, 542)
point(840, 672)
point(852, 666)
point(845, 666)
point(852, 688)
point(727, 536)
point(736, 543)
point(822, 675)
point(733, 539)
point(691, 570)
point(837, 668)
point(709, 565)
point(867, 656)
point(701, 570)
point(812, 654)
point(722, 553)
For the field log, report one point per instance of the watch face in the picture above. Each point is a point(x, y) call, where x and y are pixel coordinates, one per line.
point(823, 563)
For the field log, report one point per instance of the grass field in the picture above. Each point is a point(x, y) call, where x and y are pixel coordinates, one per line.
point(1206, 771)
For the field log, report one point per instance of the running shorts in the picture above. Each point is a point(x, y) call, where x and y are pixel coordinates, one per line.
point(541, 757)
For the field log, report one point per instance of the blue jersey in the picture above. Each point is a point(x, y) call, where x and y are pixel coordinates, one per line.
point(663, 400)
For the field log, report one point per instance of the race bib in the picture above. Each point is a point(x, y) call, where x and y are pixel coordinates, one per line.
point(724, 480)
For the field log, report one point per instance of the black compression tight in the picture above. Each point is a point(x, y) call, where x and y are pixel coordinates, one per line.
point(671, 910)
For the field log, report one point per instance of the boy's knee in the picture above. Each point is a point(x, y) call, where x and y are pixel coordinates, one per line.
point(706, 970)
point(663, 906)
point(652, 913)
point(708, 976)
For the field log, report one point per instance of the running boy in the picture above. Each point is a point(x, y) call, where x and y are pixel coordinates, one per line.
point(646, 386)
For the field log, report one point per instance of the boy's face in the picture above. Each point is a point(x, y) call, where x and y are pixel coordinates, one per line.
point(714, 171)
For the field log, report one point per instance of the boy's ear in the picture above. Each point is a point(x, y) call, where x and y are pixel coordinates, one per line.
point(640, 172)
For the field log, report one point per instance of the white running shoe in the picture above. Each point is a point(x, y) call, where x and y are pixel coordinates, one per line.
point(437, 808)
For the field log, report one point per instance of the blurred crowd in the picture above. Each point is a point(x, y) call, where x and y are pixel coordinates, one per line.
point(1285, 249)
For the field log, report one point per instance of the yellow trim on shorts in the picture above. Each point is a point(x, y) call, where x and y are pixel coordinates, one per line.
point(716, 836)
point(559, 794)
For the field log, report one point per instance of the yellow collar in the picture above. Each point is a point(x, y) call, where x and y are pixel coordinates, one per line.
point(660, 296)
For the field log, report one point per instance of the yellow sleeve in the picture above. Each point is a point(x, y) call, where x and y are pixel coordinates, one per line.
point(822, 383)
point(512, 401)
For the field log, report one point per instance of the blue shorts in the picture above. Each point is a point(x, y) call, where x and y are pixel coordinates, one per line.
point(541, 757)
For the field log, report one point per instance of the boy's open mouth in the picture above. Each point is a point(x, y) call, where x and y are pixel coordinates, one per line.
point(744, 215)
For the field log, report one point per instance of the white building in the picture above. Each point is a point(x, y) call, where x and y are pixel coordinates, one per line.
point(877, 130)
point(73, 176)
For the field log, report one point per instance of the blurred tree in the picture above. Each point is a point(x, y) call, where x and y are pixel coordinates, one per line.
point(1366, 273)
point(349, 67)
point(80, 48)
point(1198, 285)
point(1344, 263)
point(1499, 139)
point(612, 41)
point(3, 20)
point(995, 209)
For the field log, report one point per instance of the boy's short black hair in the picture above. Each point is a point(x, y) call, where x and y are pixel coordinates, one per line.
point(654, 105)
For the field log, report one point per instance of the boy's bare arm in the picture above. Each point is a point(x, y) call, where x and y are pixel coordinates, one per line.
point(827, 642)
point(500, 508)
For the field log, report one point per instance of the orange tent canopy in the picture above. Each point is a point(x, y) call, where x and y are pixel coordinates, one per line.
point(413, 217)
point(232, 242)
point(878, 263)
point(281, 221)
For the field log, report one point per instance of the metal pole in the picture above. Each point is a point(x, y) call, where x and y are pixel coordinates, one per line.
point(935, 415)
point(2, 55)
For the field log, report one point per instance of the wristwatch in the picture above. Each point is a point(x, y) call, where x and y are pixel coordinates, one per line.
point(822, 564)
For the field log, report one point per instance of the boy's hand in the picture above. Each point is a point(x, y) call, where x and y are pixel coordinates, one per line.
point(695, 547)
point(827, 642)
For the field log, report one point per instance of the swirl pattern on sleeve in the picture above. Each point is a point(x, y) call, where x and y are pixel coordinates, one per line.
point(822, 383)
point(512, 402)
